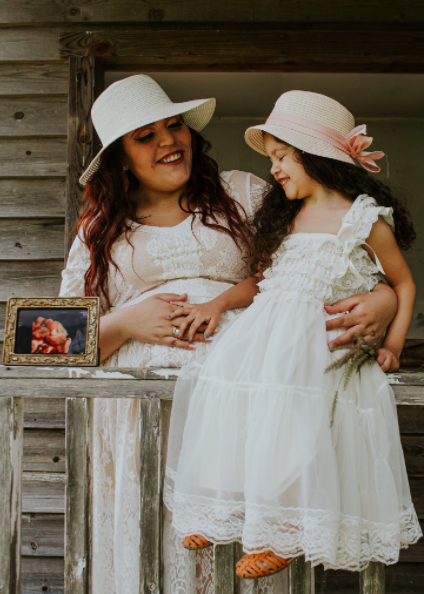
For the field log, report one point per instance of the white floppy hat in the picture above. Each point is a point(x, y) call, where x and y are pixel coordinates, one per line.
point(135, 102)
point(318, 125)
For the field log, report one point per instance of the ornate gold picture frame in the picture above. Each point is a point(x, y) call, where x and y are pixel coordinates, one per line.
point(52, 331)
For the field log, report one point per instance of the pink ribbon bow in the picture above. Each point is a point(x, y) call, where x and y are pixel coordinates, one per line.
point(357, 143)
point(353, 144)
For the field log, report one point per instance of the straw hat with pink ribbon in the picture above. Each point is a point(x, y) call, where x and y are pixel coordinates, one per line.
point(318, 125)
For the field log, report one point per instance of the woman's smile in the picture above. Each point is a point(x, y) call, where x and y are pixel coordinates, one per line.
point(174, 158)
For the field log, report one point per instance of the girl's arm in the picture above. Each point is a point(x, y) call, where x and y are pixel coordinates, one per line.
point(241, 295)
point(400, 278)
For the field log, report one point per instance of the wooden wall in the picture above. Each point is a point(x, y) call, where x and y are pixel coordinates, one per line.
point(33, 128)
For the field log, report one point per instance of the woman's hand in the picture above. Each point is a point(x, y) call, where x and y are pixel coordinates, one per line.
point(367, 312)
point(197, 316)
point(147, 321)
point(388, 360)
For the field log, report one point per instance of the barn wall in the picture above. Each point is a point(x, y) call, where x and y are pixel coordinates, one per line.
point(33, 124)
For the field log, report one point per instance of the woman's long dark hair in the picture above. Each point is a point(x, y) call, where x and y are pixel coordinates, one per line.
point(275, 218)
point(108, 210)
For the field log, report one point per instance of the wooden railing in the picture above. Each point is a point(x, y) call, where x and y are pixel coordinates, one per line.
point(153, 389)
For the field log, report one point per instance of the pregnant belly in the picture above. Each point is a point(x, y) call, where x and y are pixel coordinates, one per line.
point(140, 354)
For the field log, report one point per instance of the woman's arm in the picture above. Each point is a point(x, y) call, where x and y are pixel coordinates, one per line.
point(367, 313)
point(241, 295)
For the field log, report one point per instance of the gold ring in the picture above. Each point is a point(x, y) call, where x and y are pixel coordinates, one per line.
point(175, 332)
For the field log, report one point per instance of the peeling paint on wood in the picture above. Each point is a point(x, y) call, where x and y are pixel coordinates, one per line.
point(300, 576)
point(150, 497)
point(78, 494)
point(372, 579)
point(11, 431)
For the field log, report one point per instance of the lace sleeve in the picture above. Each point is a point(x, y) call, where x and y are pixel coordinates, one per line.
point(246, 188)
point(76, 267)
point(364, 213)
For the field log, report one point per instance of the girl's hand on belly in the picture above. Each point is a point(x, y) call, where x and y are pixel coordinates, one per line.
point(197, 316)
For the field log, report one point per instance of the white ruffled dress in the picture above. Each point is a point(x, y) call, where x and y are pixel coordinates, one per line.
point(251, 455)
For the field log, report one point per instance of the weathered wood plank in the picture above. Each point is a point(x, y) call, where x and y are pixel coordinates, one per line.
point(414, 553)
point(78, 488)
point(44, 450)
point(32, 157)
point(225, 575)
point(372, 579)
point(411, 418)
point(34, 79)
point(43, 493)
point(401, 578)
point(42, 574)
point(43, 413)
point(417, 492)
point(151, 573)
point(143, 389)
point(413, 449)
point(11, 431)
point(29, 279)
point(27, 44)
point(300, 576)
point(33, 116)
point(31, 239)
point(43, 535)
point(32, 197)
point(31, 11)
point(80, 137)
point(280, 50)
point(89, 373)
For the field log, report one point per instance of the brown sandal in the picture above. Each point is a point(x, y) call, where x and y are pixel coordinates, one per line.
point(196, 541)
point(260, 565)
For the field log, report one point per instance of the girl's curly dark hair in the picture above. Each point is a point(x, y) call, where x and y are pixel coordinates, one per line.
point(108, 210)
point(275, 218)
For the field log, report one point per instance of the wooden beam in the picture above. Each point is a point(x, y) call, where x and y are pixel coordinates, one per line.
point(80, 138)
point(78, 496)
point(130, 11)
point(372, 579)
point(151, 571)
point(289, 50)
point(11, 431)
point(300, 576)
point(225, 575)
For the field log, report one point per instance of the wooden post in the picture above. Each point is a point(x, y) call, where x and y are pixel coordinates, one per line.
point(78, 491)
point(372, 580)
point(150, 496)
point(300, 576)
point(225, 573)
point(80, 138)
point(11, 447)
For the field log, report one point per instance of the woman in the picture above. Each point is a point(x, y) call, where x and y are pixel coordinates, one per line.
point(159, 222)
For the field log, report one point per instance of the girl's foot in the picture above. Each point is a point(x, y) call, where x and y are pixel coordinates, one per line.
point(196, 541)
point(260, 565)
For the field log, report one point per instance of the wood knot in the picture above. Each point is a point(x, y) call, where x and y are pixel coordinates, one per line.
point(156, 14)
point(100, 48)
point(33, 545)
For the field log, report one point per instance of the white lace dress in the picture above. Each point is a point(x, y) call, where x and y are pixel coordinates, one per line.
point(251, 454)
point(184, 258)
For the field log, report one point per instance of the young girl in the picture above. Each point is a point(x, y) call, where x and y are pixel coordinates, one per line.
point(260, 450)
